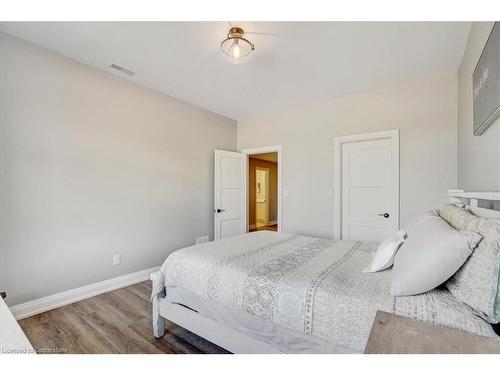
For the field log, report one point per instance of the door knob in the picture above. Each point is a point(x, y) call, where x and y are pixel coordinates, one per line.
point(386, 215)
point(219, 210)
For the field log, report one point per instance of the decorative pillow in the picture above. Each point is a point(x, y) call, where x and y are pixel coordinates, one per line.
point(477, 282)
point(417, 220)
point(384, 256)
point(431, 254)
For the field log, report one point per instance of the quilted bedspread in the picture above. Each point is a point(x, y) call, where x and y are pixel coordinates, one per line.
point(311, 285)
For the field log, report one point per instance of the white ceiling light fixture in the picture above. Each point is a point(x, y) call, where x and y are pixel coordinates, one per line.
point(235, 45)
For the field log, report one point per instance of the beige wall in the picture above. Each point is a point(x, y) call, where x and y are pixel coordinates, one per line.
point(478, 156)
point(425, 111)
point(92, 165)
point(273, 188)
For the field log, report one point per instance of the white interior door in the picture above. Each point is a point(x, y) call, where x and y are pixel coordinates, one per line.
point(230, 195)
point(370, 189)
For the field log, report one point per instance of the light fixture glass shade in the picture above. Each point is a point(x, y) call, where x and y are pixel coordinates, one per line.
point(235, 46)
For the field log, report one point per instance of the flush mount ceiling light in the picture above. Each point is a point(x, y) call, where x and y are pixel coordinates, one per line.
point(235, 45)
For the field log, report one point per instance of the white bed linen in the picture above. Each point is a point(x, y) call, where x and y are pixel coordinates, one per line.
point(311, 286)
point(286, 340)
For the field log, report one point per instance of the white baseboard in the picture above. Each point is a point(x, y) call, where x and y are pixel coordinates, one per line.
point(39, 305)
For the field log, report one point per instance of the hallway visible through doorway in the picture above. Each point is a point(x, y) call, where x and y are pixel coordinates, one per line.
point(263, 191)
point(273, 228)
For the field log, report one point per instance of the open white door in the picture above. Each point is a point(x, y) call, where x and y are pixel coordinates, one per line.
point(230, 203)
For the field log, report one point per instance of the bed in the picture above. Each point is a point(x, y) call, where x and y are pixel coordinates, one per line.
point(268, 292)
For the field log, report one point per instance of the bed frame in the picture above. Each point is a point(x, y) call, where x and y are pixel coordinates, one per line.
point(485, 204)
point(479, 203)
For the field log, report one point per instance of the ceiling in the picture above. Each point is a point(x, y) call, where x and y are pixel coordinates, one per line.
point(294, 63)
point(271, 156)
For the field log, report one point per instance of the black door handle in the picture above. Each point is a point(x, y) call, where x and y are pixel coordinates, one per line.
point(386, 215)
point(219, 210)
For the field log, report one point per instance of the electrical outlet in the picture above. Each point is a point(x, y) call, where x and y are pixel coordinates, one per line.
point(116, 259)
point(202, 239)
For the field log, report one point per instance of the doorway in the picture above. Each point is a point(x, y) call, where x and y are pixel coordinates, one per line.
point(263, 186)
point(262, 198)
point(233, 183)
point(366, 186)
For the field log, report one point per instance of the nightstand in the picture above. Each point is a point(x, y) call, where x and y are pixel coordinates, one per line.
point(395, 334)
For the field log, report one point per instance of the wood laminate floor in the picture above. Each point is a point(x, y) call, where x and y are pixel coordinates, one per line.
point(273, 228)
point(114, 322)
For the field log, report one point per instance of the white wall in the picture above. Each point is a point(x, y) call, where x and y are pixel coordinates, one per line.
point(92, 165)
point(478, 156)
point(425, 111)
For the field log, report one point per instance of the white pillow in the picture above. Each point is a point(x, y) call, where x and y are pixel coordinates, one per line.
point(415, 222)
point(384, 256)
point(431, 254)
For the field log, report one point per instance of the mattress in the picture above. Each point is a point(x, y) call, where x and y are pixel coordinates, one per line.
point(304, 287)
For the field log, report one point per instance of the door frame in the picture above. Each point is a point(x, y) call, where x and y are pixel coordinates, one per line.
point(338, 142)
point(267, 171)
point(265, 150)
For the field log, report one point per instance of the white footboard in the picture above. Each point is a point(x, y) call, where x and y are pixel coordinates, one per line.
point(225, 336)
point(158, 320)
point(216, 332)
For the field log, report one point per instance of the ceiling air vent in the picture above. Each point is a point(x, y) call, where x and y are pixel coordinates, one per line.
point(122, 69)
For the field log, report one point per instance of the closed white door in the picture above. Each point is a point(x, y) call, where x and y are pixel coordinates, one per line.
point(230, 196)
point(370, 189)
point(261, 197)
